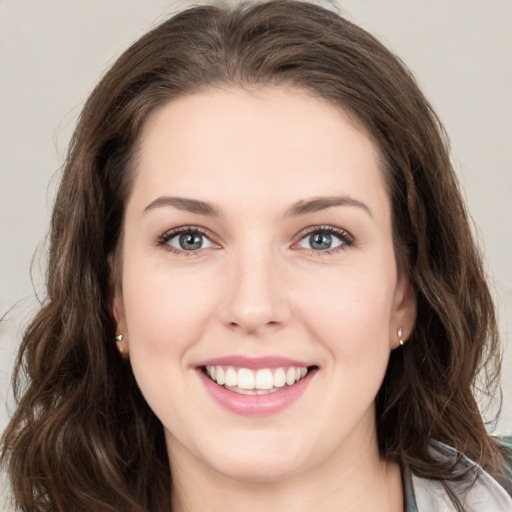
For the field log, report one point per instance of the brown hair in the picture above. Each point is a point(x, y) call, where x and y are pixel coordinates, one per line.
point(82, 437)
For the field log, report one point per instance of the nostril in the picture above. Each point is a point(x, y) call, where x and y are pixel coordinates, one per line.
point(254, 326)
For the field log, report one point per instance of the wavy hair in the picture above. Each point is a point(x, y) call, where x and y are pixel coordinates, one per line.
point(82, 436)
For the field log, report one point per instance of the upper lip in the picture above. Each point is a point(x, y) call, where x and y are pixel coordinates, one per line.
point(254, 363)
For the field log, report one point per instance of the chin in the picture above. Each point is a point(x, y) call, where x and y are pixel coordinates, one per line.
point(261, 470)
point(260, 459)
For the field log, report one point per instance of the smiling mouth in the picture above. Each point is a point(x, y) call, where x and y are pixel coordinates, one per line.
point(264, 381)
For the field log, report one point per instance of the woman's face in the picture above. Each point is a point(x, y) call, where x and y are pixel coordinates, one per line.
point(260, 298)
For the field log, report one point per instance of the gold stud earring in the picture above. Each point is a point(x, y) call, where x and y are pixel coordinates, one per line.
point(400, 334)
point(123, 350)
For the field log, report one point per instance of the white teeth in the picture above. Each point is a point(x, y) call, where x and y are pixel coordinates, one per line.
point(243, 391)
point(264, 379)
point(220, 376)
point(280, 378)
point(231, 377)
point(245, 379)
point(252, 382)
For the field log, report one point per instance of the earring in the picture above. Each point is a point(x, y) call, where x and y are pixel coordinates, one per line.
point(400, 334)
point(123, 351)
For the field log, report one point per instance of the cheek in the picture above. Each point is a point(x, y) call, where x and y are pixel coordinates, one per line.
point(166, 314)
point(352, 314)
point(165, 311)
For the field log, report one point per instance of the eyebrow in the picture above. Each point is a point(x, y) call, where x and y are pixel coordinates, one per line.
point(185, 204)
point(299, 208)
point(322, 203)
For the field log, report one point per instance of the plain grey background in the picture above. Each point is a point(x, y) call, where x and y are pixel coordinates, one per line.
point(52, 52)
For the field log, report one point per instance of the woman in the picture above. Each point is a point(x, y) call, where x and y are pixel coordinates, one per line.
point(254, 298)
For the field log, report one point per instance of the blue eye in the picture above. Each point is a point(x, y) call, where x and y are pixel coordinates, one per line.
point(325, 239)
point(188, 241)
point(185, 240)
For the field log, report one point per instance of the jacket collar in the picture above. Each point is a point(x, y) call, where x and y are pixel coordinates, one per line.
point(479, 492)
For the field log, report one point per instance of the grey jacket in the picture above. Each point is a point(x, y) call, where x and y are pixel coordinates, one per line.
point(482, 494)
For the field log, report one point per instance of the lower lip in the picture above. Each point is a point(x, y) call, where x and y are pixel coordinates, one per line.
point(256, 405)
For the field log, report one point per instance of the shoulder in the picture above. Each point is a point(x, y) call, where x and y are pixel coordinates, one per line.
point(480, 491)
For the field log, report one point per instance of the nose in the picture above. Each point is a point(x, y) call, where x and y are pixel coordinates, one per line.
point(255, 299)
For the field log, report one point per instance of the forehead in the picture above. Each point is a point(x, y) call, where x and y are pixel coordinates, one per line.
point(271, 142)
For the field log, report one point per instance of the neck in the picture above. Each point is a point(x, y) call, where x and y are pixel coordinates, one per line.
point(352, 480)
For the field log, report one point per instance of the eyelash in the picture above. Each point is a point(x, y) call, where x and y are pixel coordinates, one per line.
point(346, 238)
point(163, 240)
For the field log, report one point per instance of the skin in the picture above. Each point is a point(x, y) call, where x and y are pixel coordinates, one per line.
point(257, 288)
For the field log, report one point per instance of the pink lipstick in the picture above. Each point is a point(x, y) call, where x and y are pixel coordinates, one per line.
point(255, 386)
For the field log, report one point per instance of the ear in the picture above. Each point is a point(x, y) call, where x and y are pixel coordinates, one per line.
point(403, 314)
point(117, 308)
